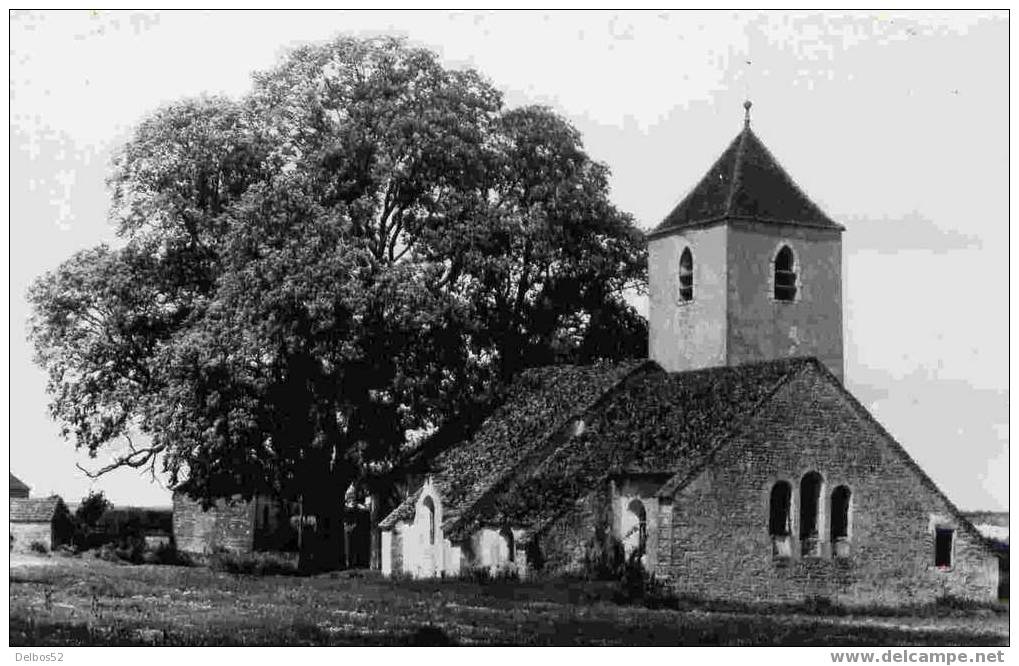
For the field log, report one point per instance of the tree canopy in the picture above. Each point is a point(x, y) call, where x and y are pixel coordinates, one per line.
point(355, 250)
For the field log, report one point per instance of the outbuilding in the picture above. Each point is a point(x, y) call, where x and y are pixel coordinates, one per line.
point(39, 520)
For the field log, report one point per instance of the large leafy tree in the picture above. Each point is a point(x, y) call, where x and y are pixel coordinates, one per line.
point(354, 251)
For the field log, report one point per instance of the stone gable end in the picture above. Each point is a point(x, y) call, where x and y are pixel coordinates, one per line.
point(719, 543)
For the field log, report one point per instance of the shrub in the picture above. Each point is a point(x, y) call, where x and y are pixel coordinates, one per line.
point(604, 558)
point(130, 549)
point(167, 554)
point(637, 586)
point(485, 575)
point(84, 524)
point(253, 564)
point(506, 575)
point(479, 575)
point(38, 547)
point(107, 552)
point(401, 576)
point(951, 605)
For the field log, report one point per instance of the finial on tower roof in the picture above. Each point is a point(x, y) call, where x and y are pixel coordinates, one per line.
point(746, 106)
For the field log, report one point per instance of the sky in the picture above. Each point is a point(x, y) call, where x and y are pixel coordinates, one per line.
point(896, 124)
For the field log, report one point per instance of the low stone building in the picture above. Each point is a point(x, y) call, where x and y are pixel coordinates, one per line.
point(235, 525)
point(260, 524)
point(733, 463)
point(39, 520)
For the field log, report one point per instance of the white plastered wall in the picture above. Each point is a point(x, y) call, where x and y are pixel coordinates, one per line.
point(424, 557)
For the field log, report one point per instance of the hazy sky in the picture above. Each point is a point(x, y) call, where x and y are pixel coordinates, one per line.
point(895, 124)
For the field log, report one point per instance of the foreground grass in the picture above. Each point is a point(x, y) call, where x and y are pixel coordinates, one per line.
point(72, 601)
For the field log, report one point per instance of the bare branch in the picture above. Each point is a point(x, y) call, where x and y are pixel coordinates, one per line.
point(137, 459)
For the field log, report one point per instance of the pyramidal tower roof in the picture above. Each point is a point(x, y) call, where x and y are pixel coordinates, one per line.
point(746, 182)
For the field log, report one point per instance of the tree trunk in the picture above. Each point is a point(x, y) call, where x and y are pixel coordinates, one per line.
point(321, 541)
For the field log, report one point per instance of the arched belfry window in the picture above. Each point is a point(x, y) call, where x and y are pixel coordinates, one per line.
point(430, 516)
point(810, 507)
point(785, 275)
point(686, 275)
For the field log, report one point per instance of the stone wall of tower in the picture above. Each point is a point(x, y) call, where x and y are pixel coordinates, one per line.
point(759, 327)
point(686, 335)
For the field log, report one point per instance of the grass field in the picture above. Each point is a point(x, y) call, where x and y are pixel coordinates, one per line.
point(81, 601)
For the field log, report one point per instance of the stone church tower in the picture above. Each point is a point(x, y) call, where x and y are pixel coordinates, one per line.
point(746, 268)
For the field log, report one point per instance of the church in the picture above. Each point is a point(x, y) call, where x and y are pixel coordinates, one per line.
point(732, 463)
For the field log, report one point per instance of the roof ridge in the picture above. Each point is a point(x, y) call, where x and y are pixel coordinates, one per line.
point(792, 181)
point(737, 172)
point(540, 452)
point(755, 183)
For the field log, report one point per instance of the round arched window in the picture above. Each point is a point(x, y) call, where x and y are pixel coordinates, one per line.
point(785, 275)
point(686, 275)
point(430, 517)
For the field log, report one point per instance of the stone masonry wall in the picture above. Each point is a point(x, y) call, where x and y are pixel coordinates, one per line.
point(686, 335)
point(761, 328)
point(720, 544)
point(224, 525)
point(560, 548)
point(26, 533)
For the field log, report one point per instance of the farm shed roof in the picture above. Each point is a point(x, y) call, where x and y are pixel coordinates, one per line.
point(746, 182)
point(17, 484)
point(34, 509)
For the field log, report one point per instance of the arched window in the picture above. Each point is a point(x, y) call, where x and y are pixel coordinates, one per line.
point(785, 275)
point(430, 516)
point(810, 502)
point(840, 521)
point(639, 529)
point(779, 520)
point(507, 537)
point(686, 275)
